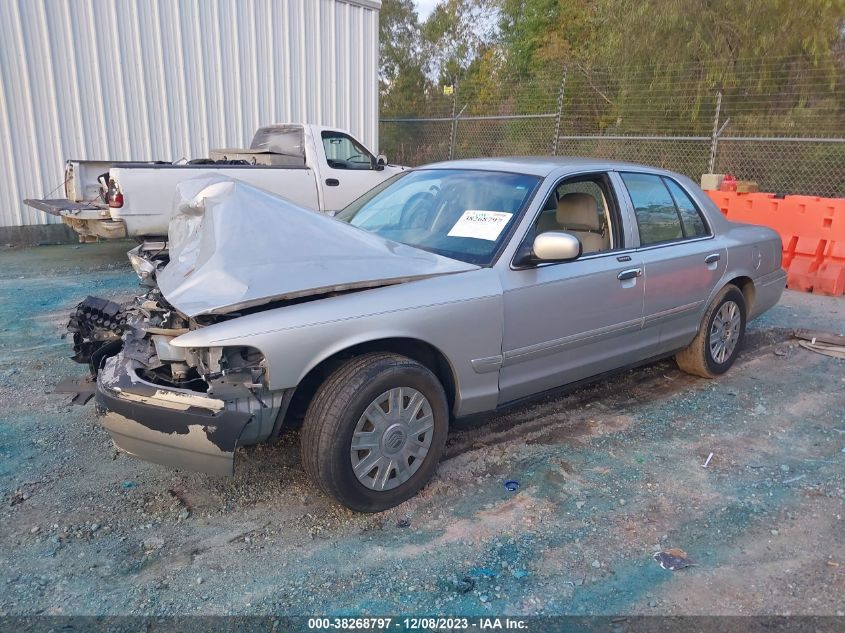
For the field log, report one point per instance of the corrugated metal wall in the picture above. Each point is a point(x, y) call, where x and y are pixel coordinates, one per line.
point(165, 79)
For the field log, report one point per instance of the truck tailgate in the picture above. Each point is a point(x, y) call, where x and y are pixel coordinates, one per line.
point(57, 205)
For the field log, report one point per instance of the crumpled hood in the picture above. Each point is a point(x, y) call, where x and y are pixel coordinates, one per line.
point(233, 246)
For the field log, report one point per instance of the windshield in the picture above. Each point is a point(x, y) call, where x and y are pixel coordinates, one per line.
point(459, 213)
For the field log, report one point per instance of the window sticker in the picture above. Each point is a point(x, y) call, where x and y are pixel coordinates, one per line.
point(482, 225)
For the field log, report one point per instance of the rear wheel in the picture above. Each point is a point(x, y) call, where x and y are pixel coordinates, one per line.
point(374, 431)
point(715, 347)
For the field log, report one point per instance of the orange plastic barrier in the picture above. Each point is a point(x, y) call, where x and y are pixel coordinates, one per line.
point(812, 230)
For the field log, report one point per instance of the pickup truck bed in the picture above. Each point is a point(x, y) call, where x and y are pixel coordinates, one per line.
point(312, 166)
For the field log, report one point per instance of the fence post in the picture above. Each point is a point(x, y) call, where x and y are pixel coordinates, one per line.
point(453, 134)
point(559, 111)
point(714, 139)
point(454, 127)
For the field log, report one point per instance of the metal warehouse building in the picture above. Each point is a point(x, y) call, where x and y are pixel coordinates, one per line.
point(167, 79)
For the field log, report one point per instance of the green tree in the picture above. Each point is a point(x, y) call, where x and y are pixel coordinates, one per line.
point(456, 34)
point(402, 67)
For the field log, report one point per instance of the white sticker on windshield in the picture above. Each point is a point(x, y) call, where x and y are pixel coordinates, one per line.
point(482, 225)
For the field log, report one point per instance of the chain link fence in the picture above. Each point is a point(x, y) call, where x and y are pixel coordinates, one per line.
point(777, 122)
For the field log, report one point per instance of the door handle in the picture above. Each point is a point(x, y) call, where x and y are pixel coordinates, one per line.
point(631, 273)
point(332, 182)
point(712, 259)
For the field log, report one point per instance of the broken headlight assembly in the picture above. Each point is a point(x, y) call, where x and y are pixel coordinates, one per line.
point(234, 365)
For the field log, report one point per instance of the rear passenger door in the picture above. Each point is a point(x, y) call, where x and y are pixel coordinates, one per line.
point(682, 262)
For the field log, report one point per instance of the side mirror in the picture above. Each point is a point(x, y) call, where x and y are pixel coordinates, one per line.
point(381, 161)
point(553, 246)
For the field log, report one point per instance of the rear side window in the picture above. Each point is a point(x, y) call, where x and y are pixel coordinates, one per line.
point(691, 218)
point(665, 212)
point(657, 218)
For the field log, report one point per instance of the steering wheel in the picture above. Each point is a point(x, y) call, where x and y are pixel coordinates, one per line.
point(418, 208)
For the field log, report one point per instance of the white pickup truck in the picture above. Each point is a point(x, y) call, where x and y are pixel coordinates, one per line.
point(313, 166)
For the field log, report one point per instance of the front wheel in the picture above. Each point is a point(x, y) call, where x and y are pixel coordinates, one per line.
point(716, 346)
point(374, 431)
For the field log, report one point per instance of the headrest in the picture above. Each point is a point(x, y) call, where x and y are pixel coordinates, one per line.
point(578, 212)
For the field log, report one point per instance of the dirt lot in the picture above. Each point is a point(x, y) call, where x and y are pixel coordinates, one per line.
point(608, 475)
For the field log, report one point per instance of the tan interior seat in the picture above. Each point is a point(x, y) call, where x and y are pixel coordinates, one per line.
point(577, 213)
point(548, 216)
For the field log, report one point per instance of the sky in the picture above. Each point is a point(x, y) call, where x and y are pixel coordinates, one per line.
point(425, 7)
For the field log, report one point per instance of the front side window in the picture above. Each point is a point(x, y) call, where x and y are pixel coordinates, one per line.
point(581, 206)
point(657, 217)
point(344, 152)
point(459, 213)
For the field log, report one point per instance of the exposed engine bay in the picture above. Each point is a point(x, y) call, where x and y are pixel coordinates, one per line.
point(128, 347)
point(171, 386)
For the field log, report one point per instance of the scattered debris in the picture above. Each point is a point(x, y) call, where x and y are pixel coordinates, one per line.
point(673, 559)
point(152, 543)
point(464, 585)
point(511, 485)
point(483, 572)
point(824, 337)
point(794, 479)
point(822, 342)
point(128, 485)
point(180, 497)
point(707, 461)
point(19, 496)
point(403, 523)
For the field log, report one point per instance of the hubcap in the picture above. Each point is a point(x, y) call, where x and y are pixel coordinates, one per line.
point(724, 333)
point(392, 438)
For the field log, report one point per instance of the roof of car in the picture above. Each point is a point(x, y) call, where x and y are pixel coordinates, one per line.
point(539, 165)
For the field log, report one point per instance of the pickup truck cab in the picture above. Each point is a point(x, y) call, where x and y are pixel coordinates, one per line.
point(315, 167)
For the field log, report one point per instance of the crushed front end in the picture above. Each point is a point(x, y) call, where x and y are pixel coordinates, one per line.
point(185, 408)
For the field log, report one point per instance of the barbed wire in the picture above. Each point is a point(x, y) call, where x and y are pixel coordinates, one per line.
point(780, 121)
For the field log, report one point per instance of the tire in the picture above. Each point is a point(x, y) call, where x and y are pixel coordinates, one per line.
point(699, 358)
point(346, 406)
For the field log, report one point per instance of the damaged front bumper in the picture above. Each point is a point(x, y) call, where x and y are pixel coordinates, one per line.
point(173, 427)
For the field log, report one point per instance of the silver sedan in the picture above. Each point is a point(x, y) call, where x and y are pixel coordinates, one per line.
point(451, 290)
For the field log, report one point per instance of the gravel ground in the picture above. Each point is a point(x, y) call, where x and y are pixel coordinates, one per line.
point(608, 475)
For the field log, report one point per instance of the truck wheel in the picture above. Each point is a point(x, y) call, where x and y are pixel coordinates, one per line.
point(374, 431)
point(714, 349)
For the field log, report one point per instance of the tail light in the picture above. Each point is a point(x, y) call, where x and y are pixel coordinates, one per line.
point(114, 196)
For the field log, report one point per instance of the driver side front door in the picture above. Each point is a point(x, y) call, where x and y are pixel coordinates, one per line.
point(567, 321)
point(347, 169)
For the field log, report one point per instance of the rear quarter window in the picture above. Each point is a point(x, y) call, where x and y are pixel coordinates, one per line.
point(691, 218)
point(657, 218)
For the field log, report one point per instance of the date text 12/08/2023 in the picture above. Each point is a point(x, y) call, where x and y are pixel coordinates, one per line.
point(416, 624)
